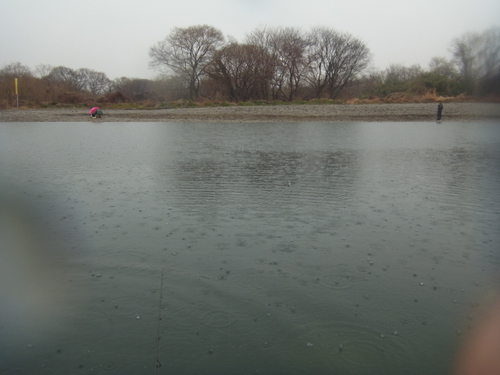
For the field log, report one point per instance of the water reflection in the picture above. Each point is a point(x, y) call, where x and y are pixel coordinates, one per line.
point(254, 178)
point(286, 248)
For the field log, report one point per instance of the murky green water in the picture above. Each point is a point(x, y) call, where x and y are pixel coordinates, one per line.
point(353, 248)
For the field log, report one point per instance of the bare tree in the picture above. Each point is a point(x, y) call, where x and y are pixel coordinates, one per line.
point(16, 70)
point(62, 78)
point(265, 39)
point(25, 78)
point(286, 56)
point(490, 58)
point(442, 66)
point(65, 78)
point(291, 47)
point(335, 59)
point(465, 50)
point(187, 52)
point(397, 73)
point(135, 88)
point(97, 83)
point(239, 69)
point(489, 52)
point(477, 56)
point(43, 70)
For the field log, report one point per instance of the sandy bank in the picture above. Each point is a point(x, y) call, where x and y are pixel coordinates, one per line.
point(282, 113)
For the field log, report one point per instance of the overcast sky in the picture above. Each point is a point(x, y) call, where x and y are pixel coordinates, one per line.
point(114, 36)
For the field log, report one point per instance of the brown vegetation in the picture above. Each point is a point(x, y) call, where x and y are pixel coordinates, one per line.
point(114, 97)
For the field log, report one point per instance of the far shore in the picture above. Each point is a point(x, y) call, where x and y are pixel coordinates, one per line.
point(267, 113)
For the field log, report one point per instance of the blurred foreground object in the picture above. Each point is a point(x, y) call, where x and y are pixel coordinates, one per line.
point(481, 352)
point(32, 272)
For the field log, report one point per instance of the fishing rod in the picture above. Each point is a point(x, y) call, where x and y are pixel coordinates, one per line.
point(157, 361)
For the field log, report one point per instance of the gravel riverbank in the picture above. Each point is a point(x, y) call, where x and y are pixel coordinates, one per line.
point(270, 113)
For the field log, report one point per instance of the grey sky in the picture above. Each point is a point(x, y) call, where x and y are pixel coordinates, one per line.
point(114, 36)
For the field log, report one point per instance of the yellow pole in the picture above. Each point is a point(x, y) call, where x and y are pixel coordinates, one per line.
point(17, 92)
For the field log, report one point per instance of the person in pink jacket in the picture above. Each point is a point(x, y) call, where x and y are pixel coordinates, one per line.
point(95, 112)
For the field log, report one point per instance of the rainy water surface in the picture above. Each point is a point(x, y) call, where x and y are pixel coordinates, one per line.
point(319, 248)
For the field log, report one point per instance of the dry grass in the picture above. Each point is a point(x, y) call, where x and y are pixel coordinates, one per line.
point(394, 98)
point(403, 97)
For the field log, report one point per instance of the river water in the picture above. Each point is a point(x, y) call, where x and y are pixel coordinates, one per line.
point(269, 248)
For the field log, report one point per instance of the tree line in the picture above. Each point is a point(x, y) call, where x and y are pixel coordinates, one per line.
point(272, 63)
